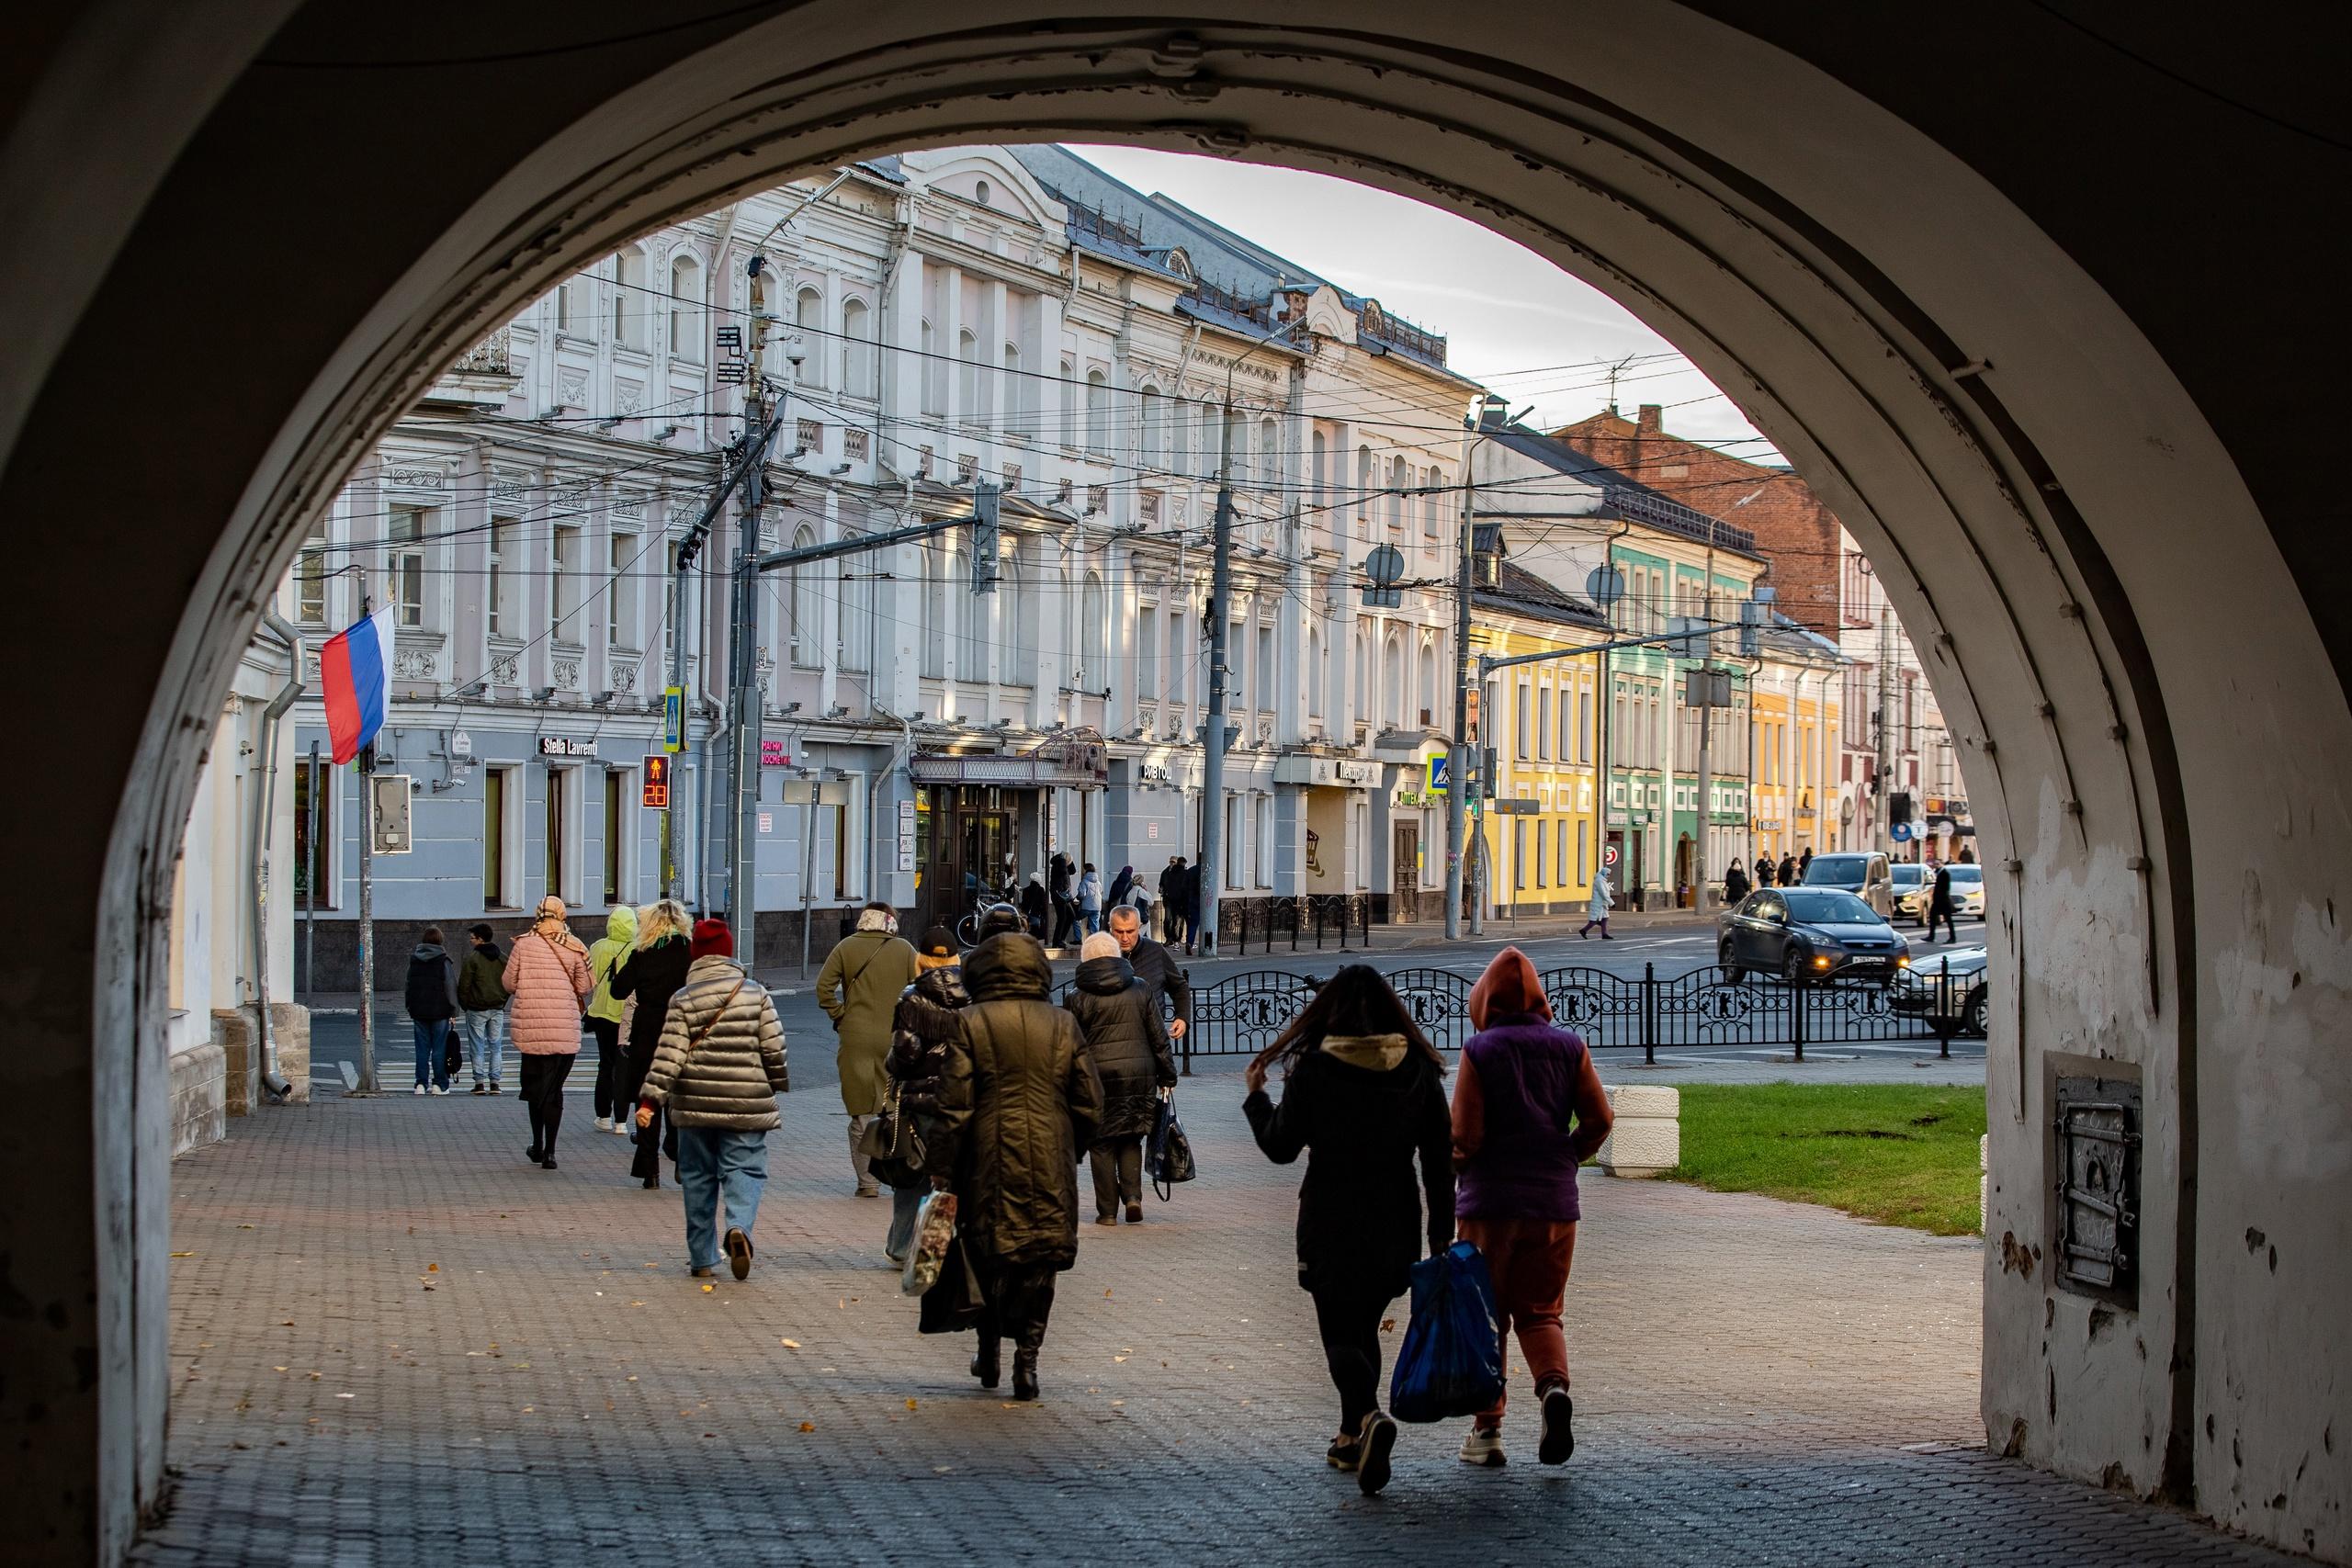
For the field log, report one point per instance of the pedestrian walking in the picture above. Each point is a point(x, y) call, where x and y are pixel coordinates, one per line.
point(716, 1073)
point(1939, 907)
point(648, 976)
point(1192, 905)
point(1018, 1101)
point(1788, 871)
point(859, 988)
point(1735, 883)
point(1527, 1109)
point(1172, 901)
point(1596, 908)
point(1090, 901)
point(604, 1013)
point(1121, 887)
point(1035, 907)
point(547, 974)
point(1065, 905)
point(482, 1002)
point(432, 1003)
point(1363, 1096)
point(1805, 864)
point(1156, 968)
point(924, 1024)
point(1119, 1016)
point(1763, 870)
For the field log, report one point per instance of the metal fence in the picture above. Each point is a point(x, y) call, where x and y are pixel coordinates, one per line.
point(1241, 1014)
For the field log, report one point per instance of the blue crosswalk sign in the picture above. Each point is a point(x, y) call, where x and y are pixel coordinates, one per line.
point(1440, 769)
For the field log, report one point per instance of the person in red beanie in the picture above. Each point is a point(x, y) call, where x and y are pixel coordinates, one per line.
point(717, 1074)
point(1527, 1109)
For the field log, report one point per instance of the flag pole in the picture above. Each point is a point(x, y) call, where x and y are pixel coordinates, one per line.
point(366, 763)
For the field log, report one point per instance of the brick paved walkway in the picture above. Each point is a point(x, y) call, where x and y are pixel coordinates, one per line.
point(393, 1342)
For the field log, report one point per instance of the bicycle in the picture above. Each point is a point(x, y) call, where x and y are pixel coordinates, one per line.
point(967, 928)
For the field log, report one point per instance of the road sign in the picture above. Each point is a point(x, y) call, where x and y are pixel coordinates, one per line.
point(1440, 769)
point(673, 718)
point(1608, 857)
point(1900, 832)
point(656, 795)
point(1604, 585)
point(1383, 570)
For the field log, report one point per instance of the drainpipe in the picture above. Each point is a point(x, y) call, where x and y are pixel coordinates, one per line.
point(267, 765)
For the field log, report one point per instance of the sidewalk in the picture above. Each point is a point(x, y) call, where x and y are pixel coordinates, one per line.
point(393, 1342)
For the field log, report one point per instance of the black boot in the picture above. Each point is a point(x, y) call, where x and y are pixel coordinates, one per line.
point(987, 1366)
point(1024, 1373)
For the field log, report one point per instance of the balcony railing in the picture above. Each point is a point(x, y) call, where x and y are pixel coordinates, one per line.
point(488, 357)
point(1677, 518)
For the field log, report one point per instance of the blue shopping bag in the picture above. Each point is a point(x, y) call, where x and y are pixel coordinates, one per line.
point(1451, 1363)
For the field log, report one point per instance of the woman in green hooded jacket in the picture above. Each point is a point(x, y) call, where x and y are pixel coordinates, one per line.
point(605, 1014)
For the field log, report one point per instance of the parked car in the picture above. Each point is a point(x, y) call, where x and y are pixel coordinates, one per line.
point(1921, 990)
point(1915, 885)
point(1866, 874)
point(1809, 934)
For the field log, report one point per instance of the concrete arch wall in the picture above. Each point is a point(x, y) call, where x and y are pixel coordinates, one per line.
point(2046, 495)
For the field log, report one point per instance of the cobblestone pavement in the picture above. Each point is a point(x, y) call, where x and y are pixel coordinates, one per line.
point(393, 1342)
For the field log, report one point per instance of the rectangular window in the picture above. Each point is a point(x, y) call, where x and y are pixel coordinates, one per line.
point(1521, 695)
point(1262, 841)
point(620, 605)
point(495, 783)
point(1583, 828)
point(841, 851)
point(1519, 853)
point(310, 571)
point(1543, 724)
point(313, 856)
point(1541, 828)
point(1147, 654)
point(498, 614)
point(404, 579)
point(1261, 679)
point(552, 840)
point(564, 601)
point(614, 784)
point(1233, 825)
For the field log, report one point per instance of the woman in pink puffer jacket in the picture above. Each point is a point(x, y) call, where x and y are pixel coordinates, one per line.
point(546, 975)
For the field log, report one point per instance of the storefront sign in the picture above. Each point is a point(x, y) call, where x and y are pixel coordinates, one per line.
point(774, 755)
point(557, 746)
point(1031, 772)
point(1416, 800)
point(1340, 771)
point(906, 835)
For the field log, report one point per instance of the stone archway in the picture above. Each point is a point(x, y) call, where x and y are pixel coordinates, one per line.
point(2037, 473)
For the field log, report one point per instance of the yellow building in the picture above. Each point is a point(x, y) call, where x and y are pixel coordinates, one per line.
point(1792, 745)
point(1538, 719)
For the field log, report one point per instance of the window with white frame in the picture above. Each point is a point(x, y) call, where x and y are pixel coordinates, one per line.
point(1392, 682)
point(806, 628)
point(404, 563)
point(1521, 699)
point(1017, 632)
point(1270, 454)
point(1313, 673)
point(935, 375)
point(1233, 823)
point(620, 598)
point(685, 307)
point(1148, 419)
point(1364, 485)
point(972, 612)
point(936, 562)
point(808, 318)
point(857, 349)
point(311, 568)
point(630, 314)
point(1093, 670)
point(1262, 841)
point(1068, 386)
point(1147, 653)
point(1098, 414)
point(1428, 686)
point(501, 613)
point(563, 602)
point(1263, 685)
point(1008, 397)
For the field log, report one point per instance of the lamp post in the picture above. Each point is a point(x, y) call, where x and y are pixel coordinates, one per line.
point(1476, 426)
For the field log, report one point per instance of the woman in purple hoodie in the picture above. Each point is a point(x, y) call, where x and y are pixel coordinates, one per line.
point(1527, 1109)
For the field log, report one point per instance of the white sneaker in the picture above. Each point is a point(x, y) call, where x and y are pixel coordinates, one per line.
point(436, 1088)
point(604, 1123)
point(620, 1126)
point(419, 1089)
point(1484, 1449)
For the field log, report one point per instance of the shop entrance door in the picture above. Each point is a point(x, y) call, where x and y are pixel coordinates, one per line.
point(1406, 878)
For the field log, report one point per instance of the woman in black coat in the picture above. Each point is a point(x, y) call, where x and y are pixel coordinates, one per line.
point(922, 1028)
point(1119, 1015)
point(1362, 1095)
point(653, 973)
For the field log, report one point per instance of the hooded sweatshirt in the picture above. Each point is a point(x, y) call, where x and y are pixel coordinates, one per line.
point(607, 956)
point(1527, 1107)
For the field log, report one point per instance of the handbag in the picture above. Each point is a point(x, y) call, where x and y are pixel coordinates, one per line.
point(1452, 1362)
point(956, 1303)
point(889, 1139)
point(1169, 1158)
point(934, 1228)
point(452, 1055)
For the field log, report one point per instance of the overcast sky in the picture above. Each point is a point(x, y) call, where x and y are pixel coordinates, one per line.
point(1511, 318)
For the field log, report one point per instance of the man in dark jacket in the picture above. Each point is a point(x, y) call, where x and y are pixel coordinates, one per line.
point(1192, 896)
point(432, 1003)
point(481, 1006)
point(926, 1022)
point(1035, 907)
point(1171, 900)
point(1065, 905)
point(1939, 907)
point(1156, 968)
point(1020, 1099)
point(1788, 871)
point(1119, 1016)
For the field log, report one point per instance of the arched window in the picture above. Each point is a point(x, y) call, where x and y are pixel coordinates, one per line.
point(936, 562)
point(1430, 705)
point(1364, 482)
point(809, 317)
point(1017, 628)
point(575, 305)
point(685, 307)
point(967, 376)
point(934, 374)
point(1098, 414)
point(1322, 475)
point(1400, 479)
point(1270, 454)
point(1314, 674)
point(1362, 707)
point(1434, 505)
point(1094, 670)
point(1392, 682)
point(1154, 458)
point(857, 349)
point(854, 616)
point(1010, 400)
point(630, 315)
point(808, 628)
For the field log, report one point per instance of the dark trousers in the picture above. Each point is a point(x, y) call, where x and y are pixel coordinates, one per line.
point(1065, 920)
point(607, 1031)
point(1943, 912)
point(1020, 1297)
point(631, 1083)
point(1118, 1172)
point(1171, 921)
point(543, 1078)
point(1348, 1318)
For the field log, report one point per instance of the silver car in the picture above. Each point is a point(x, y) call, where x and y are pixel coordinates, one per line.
point(1866, 874)
point(1958, 1002)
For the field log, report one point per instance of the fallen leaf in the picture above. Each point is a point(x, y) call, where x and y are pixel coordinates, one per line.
point(346, 1396)
point(528, 1408)
point(1118, 1358)
point(910, 1404)
point(707, 1289)
point(244, 1227)
point(1387, 1326)
point(807, 1426)
point(436, 1268)
point(789, 1344)
point(1106, 1295)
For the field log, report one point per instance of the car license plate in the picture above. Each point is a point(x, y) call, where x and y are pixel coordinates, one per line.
point(1867, 964)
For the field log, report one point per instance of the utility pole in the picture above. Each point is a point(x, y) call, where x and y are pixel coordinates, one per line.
point(1885, 728)
point(687, 548)
point(1457, 770)
point(1212, 737)
point(745, 702)
point(367, 760)
point(1701, 890)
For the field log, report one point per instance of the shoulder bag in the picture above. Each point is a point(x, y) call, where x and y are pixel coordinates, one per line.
point(1169, 1157)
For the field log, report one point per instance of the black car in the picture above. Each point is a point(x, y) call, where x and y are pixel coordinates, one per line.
point(1809, 933)
point(1960, 1001)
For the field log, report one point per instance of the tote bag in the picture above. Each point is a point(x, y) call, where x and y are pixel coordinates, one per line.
point(1452, 1362)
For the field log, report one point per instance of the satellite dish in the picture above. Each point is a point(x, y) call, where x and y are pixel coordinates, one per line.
point(1604, 585)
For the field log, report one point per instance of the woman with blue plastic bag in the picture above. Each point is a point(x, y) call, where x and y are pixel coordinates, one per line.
point(1527, 1109)
point(1363, 1094)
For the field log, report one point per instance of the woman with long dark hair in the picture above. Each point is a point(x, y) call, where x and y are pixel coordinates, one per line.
point(1364, 1093)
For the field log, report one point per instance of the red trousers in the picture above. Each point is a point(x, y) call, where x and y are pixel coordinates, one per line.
point(1528, 1260)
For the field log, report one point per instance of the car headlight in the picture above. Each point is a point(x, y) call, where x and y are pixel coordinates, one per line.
point(1821, 961)
point(1903, 960)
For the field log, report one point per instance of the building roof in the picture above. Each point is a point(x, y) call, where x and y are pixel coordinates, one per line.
point(1624, 497)
point(1520, 591)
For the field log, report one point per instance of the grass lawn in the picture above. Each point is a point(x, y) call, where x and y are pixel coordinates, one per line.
point(1899, 1154)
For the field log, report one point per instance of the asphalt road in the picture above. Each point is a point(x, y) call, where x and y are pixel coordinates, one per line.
point(1671, 950)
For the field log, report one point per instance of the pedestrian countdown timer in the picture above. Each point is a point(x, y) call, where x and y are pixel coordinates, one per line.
point(656, 783)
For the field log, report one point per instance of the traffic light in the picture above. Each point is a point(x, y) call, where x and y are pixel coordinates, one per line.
point(1898, 807)
point(987, 531)
point(656, 795)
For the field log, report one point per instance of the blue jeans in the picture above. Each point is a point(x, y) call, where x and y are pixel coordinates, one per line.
point(904, 1204)
point(716, 1166)
point(432, 1049)
point(486, 1038)
point(1090, 920)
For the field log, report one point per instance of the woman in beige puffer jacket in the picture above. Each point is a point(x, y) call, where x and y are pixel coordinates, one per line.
point(546, 975)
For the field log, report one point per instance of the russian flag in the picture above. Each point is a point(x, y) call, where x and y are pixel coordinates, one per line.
point(356, 676)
